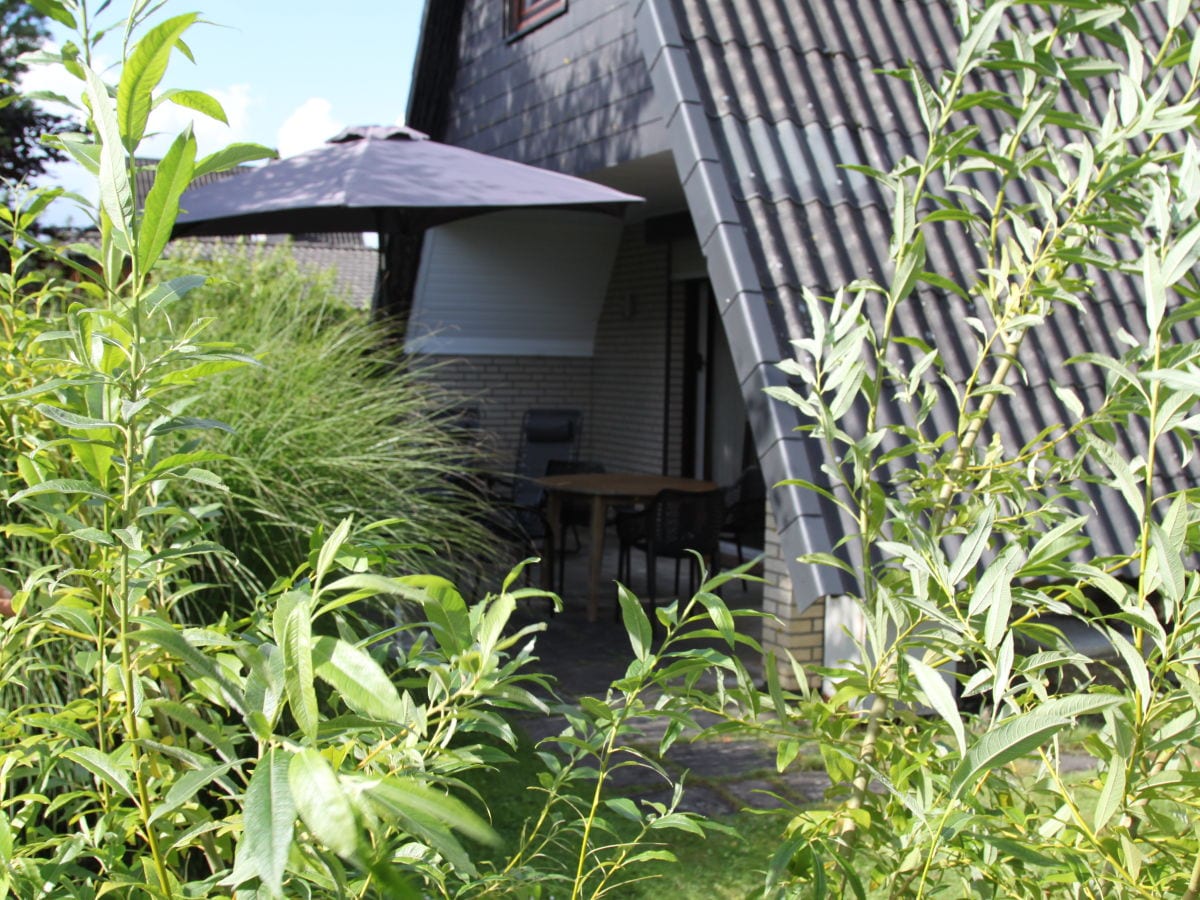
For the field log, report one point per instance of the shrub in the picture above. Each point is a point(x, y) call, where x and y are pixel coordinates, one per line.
point(962, 546)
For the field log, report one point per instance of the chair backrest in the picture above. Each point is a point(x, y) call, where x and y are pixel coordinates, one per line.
point(745, 502)
point(546, 434)
point(686, 520)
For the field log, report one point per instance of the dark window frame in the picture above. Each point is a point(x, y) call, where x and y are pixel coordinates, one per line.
point(523, 16)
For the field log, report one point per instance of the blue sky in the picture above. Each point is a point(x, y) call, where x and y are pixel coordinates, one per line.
point(290, 73)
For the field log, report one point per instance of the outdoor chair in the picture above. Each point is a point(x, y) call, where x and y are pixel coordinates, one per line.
point(673, 523)
point(515, 502)
point(546, 435)
point(745, 512)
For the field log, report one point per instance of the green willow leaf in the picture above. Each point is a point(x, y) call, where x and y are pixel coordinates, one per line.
point(104, 767)
point(198, 101)
point(1010, 740)
point(163, 295)
point(61, 486)
point(496, 615)
point(637, 625)
point(72, 420)
point(231, 156)
point(116, 191)
point(297, 645)
point(171, 178)
point(268, 819)
point(323, 806)
point(909, 268)
point(143, 71)
point(941, 698)
point(1112, 795)
point(445, 609)
point(186, 788)
point(180, 460)
point(55, 11)
point(982, 32)
point(428, 804)
point(720, 615)
point(201, 665)
point(329, 550)
point(359, 680)
point(1154, 289)
point(973, 546)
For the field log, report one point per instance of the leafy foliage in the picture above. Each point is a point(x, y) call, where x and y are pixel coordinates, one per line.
point(945, 744)
point(298, 749)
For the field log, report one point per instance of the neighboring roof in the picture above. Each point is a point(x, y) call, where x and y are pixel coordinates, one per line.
point(354, 268)
point(765, 102)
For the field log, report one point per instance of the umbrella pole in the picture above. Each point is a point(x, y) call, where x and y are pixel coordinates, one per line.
point(399, 264)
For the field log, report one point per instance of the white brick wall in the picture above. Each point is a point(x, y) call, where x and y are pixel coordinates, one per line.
point(802, 635)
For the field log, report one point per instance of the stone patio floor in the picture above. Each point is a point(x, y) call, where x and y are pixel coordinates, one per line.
point(722, 775)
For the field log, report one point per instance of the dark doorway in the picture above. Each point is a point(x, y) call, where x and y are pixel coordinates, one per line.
point(715, 442)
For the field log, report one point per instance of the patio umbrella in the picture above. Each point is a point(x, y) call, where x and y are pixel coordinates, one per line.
point(390, 180)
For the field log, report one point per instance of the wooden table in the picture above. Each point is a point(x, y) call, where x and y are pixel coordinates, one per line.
point(604, 489)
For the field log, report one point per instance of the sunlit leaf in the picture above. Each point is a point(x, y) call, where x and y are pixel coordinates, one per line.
point(359, 680)
point(105, 767)
point(637, 625)
point(172, 175)
point(268, 818)
point(941, 697)
point(322, 803)
point(1112, 795)
point(198, 101)
point(297, 645)
point(231, 156)
point(1008, 741)
point(143, 71)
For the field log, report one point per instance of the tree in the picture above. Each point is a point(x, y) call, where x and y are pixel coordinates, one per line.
point(22, 154)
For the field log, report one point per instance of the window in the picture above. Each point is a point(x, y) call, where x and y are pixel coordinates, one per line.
point(525, 15)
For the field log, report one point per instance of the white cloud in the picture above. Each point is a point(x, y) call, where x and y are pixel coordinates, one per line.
point(308, 127)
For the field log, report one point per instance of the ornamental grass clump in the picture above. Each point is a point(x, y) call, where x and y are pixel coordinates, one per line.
point(333, 421)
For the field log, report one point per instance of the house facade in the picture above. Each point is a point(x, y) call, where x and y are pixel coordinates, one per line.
point(735, 121)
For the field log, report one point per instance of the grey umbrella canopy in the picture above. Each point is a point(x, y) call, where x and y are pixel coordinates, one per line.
point(384, 179)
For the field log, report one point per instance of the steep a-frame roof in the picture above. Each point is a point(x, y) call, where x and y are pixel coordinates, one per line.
point(765, 102)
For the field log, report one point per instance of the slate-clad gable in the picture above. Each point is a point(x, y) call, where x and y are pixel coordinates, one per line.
point(572, 95)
